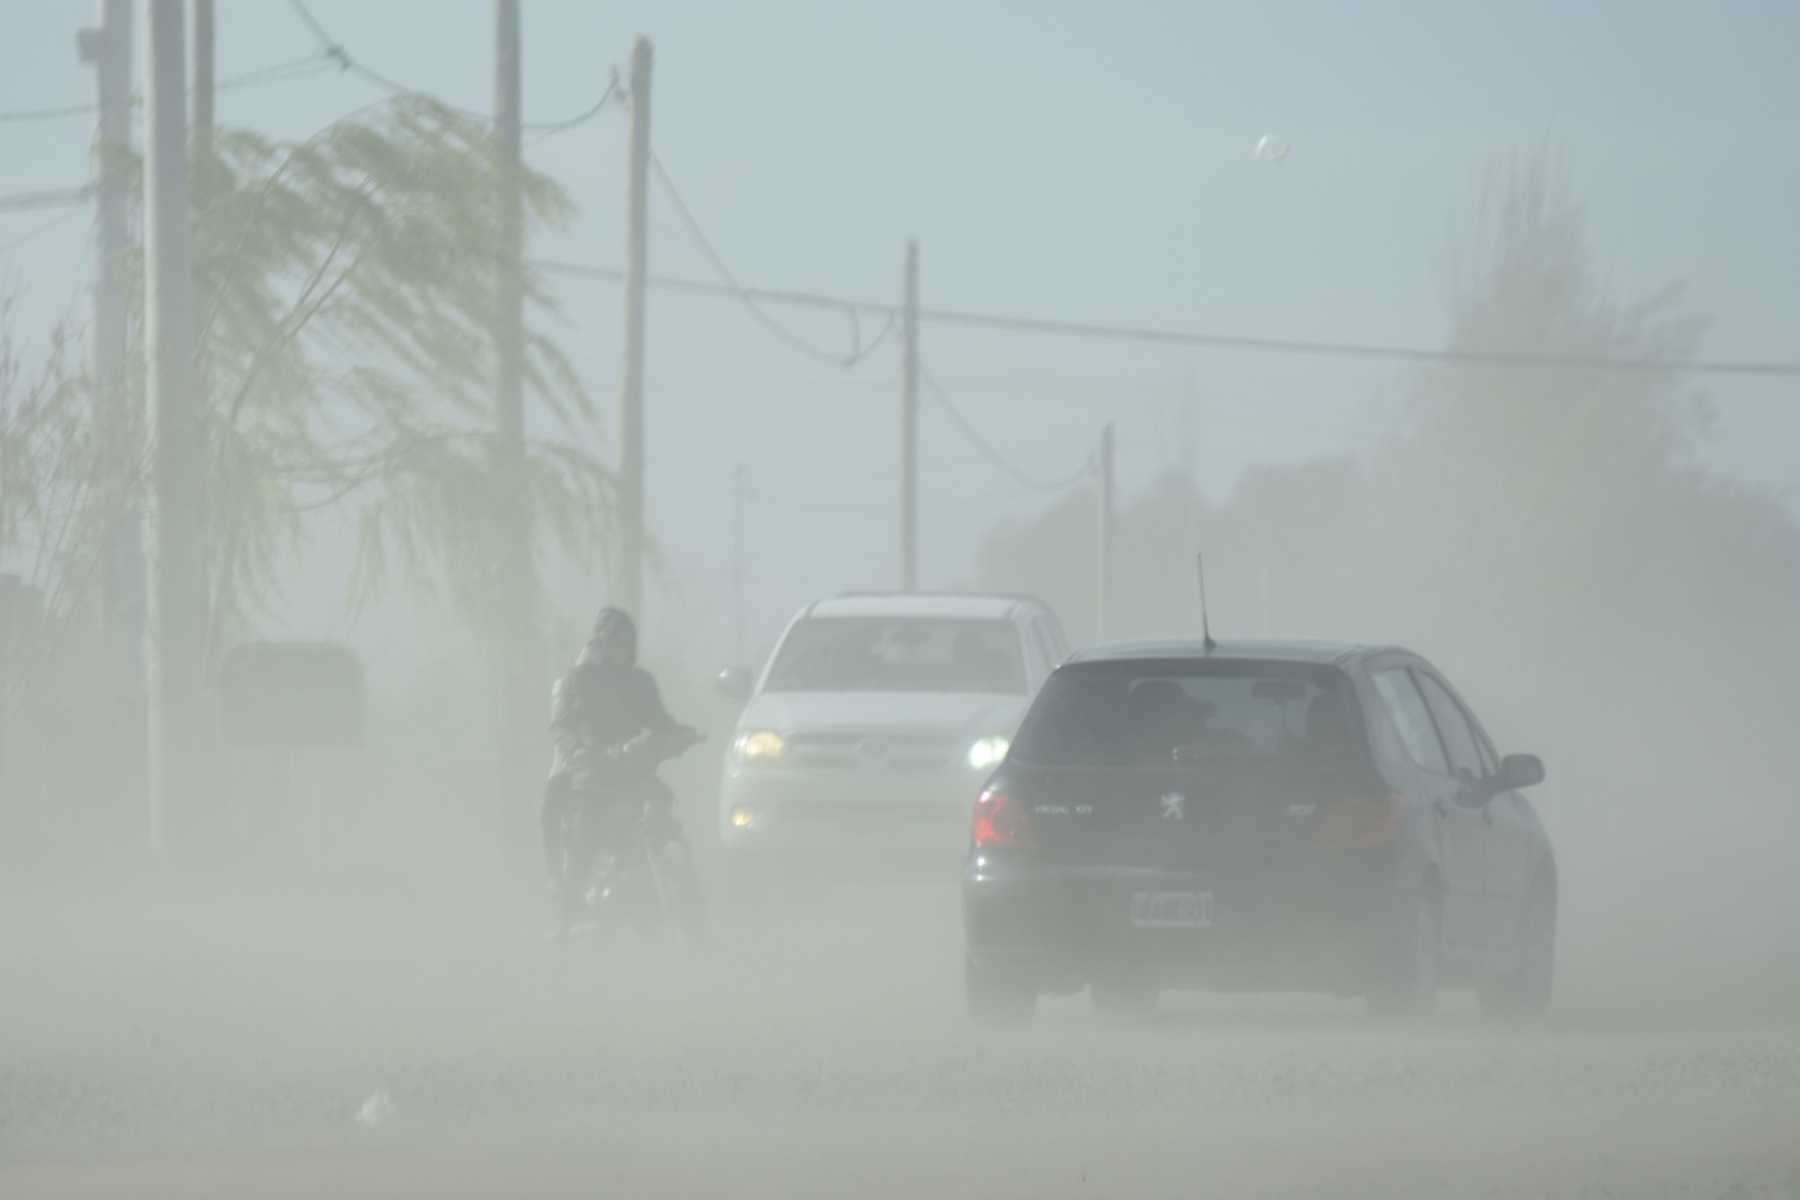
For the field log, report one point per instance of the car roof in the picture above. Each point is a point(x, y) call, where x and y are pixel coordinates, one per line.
point(1265, 649)
point(970, 606)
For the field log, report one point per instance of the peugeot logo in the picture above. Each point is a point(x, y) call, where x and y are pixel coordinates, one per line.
point(1174, 806)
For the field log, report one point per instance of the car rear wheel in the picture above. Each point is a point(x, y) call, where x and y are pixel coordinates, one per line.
point(1410, 985)
point(1523, 993)
point(997, 996)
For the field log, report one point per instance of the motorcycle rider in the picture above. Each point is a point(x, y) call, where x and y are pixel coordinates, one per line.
point(609, 733)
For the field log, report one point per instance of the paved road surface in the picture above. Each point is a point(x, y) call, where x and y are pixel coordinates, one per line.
point(223, 1045)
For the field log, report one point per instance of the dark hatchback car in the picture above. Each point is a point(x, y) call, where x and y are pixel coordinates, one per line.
point(1256, 815)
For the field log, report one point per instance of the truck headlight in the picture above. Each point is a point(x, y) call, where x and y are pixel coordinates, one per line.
point(987, 752)
point(759, 745)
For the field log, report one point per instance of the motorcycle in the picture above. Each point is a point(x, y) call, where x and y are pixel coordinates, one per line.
point(627, 863)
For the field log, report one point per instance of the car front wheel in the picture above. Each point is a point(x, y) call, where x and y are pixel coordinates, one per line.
point(1523, 992)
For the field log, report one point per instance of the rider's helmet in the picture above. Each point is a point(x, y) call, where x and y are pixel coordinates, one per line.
point(614, 640)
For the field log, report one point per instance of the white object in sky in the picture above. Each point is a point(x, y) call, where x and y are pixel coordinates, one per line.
point(1270, 148)
point(375, 1110)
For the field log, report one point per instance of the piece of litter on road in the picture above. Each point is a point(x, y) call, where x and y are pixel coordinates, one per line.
point(375, 1110)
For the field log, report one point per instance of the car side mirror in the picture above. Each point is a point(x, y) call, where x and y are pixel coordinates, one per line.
point(1519, 771)
point(734, 683)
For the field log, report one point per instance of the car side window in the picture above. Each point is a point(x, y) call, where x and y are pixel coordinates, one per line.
point(1410, 718)
point(1459, 738)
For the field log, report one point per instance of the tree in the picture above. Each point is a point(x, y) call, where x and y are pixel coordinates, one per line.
point(349, 283)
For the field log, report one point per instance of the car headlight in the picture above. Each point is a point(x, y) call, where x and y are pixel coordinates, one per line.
point(742, 818)
point(759, 745)
point(987, 752)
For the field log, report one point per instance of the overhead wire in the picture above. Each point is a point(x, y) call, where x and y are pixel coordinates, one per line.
point(53, 198)
point(1202, 340)
point(858, 352)
point(992, 453)
point(338, 53)
point(31, 235)
point(305, 67)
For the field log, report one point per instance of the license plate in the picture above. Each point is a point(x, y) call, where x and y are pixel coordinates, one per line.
point(1171, 910)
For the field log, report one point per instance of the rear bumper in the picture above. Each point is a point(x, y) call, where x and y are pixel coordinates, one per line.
point(1325, 928)
point(796, 814)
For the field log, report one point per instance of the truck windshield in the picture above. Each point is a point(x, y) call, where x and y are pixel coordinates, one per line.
point(870, 654)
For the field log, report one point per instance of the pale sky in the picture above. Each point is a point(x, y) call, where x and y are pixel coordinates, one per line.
point(1080, 161)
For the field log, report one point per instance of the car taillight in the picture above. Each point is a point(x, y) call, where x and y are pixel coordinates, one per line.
point(999, 821)
point(1360, 822)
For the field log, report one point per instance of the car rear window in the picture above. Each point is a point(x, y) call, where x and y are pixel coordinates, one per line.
point(1173, 711)
point(870, 654)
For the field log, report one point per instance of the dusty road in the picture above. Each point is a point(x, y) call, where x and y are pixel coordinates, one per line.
point(224, 1044)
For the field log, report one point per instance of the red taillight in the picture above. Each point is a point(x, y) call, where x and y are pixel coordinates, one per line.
point(999, 821)
point(1360, 822)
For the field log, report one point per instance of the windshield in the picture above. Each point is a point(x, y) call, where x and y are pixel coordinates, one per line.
point(870, 654)
point(1155, 713)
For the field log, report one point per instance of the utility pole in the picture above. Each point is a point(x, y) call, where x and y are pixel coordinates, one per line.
point(108, 50)
point(1105, 496)
point(204, 41)
point(518, 660)
point(740, 498)
point(177, 619)
point(637, 251)
point(909, 425)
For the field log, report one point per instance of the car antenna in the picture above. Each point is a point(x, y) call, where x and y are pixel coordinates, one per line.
point(1206, 638)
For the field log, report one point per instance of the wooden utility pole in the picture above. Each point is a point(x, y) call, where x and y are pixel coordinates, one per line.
point(177, 591)
point(909, 425)
point(108, 50)
point(637, 252)
point(522, 690)
point(1105, 497)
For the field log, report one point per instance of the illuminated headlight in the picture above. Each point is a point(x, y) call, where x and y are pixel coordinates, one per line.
point(986, 753)
point(760, 745)
point(742, 818)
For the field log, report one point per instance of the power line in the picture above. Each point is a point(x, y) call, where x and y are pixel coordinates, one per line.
point(335, 50)
point(47, 114)
point(858, 352)
point(551, 129)
point(55, 198)
point(1214, 341)
point(991, 452)
point(306, 67)
point(53, 223)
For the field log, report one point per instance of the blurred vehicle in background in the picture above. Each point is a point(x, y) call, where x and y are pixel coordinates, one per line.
point(1256, 815)
point(875, 722)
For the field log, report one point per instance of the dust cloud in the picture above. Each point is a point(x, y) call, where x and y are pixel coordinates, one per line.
point(343, 982)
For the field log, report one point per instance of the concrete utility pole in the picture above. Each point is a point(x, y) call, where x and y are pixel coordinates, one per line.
point(108, 50)
point(1106, 497)
point(631, 417)
point(519, 666)
point(204, 89)
point(909, 425)
point(177, 618)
